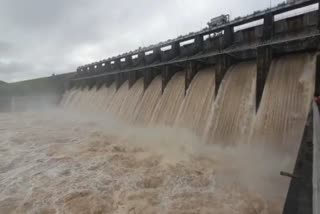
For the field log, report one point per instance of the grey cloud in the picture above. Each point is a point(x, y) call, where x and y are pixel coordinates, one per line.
point(6, 48)
point(41, 37)
point(13, 70)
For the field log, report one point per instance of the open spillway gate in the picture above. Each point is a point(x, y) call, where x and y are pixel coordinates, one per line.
point(262, 36)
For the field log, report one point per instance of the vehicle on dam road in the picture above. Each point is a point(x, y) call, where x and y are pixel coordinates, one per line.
point(219, 20)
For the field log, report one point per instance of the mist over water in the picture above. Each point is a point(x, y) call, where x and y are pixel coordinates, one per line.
point(128, 151)
point(64, 162)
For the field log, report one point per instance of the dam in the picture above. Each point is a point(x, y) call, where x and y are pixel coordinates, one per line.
point(203, 123)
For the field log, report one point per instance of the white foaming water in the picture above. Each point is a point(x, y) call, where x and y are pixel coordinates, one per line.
point(170, 102)
point(131, 102)
point(106, 94)
point(148, 103)
point(62, 162)
point(234, 107)
point(286, 101)
point(119, 97)
point(196, 107)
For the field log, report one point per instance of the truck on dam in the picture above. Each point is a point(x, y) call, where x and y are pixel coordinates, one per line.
point(220, 20)
point(245, 81)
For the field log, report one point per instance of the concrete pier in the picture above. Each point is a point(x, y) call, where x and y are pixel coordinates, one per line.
point(166, 74)
point(120, 79)
point(227, 37)
point(224, 62)
point(264, 60)
point(190, 71)
point(317, 87)
point(268, 22)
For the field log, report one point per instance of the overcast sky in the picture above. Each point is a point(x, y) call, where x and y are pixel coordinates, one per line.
point(42, 37)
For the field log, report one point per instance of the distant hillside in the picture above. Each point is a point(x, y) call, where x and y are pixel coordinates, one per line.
point(4, 88)
point(3, 82)
point(45, 85)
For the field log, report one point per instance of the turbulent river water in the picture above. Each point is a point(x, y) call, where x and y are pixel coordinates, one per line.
point(128, 151)
point(61, 162)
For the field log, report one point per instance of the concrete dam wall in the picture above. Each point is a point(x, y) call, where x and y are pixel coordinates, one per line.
point(228, 118)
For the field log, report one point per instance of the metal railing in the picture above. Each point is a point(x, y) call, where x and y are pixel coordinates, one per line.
point(236, 22)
